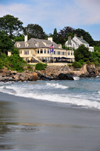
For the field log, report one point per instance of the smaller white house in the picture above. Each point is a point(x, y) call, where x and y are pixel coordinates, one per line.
point(75, 42)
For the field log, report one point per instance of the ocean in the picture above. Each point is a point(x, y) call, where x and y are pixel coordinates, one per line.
point(82, 92)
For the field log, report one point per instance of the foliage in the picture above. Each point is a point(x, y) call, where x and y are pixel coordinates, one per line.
point(11, 25)
point(69, 34)
point(97, 43)
point(86, 36)
point(13, 62)
point(63, 33)
point(1, 64)
point(15, 51)
point(82, 53)
point(34, 31)
point(55, 36)
point(5, 43)
point(19, 37)
point(97, 48)
point(81, 62)
point(76, 64)
point(40, 66)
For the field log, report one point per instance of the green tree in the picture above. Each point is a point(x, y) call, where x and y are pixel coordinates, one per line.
point(11, 25)
point(69, 34)
point(86, 36)
point(20, 37)
point(82, 53)
point(63, 33)
point(55, 36)
point(34, 31)
point(5, 43)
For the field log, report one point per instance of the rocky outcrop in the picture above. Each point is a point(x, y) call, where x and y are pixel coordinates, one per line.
point(50, 73)
point(8, 75)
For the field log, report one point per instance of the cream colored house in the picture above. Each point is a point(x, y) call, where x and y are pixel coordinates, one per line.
point(38, 50)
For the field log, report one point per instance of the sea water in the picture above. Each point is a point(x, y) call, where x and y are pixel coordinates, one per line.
point(83, 93)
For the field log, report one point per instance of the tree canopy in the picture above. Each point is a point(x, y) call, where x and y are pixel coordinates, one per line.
point(5, 43)
point(55, 35)
point(82, 53)
point(11, 25)
point(34, 31)
point(63, 33)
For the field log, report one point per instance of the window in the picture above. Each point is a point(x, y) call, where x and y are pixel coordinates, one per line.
point(63, 53)
point(54, 52)
point(18, 45)
point(20, 51)
point(38, 51)
point(48, 50)
point(26, 44)
point(41, 51)
point(58, 52)
point(44, 51)
point(26, 52)
point(71, 53)
point(68, 53)
point(31, 51)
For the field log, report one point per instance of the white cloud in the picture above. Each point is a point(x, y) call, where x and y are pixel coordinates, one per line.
point(55, 13)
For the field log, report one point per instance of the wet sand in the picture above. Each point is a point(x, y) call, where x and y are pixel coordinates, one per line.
point(34, 125)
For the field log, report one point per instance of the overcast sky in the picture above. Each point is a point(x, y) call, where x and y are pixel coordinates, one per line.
point(50, 14)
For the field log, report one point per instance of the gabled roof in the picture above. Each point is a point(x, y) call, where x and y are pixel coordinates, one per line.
point(37, 43)
point(82, 40)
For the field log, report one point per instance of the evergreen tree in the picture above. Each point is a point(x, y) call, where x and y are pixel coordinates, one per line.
point(55, 37)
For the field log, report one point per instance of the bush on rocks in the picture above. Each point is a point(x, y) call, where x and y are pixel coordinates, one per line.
point(40, 66)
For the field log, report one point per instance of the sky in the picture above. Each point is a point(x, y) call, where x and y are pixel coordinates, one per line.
point(51, 14)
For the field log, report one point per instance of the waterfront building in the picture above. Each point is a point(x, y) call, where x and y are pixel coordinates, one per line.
point(34, 49)
point(75, 42)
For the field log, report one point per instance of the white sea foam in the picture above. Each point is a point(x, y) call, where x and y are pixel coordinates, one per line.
point(56, 85)
point(99, 92)
point(43, 91)
point(76, 78)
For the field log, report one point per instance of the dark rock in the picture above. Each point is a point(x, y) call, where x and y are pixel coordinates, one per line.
point(63, 76)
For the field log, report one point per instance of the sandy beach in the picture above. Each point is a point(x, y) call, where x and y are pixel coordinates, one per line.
point(28, 124)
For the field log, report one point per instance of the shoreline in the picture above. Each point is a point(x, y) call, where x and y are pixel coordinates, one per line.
point(29, 124)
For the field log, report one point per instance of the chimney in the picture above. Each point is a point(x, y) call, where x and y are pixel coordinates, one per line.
point(75, 35)
point(26, 38)
point(50, 39)
point(82, 37)
point(69, 40)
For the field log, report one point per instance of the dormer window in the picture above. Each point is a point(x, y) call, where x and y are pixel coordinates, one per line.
point(26, 44)
point(37, 44)
point(18, 44)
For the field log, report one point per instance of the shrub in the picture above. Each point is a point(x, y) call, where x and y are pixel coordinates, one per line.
point(29, 67)
point(1, 64)
point(81, 62)
point(40, 66)
point(76, 64)
point(97, 63)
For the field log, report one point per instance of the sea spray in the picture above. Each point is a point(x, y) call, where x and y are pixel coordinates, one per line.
point(81, 92)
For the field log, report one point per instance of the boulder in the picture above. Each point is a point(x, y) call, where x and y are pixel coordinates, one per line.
point(33, 76)
point(91, 70)
point(67, 76)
